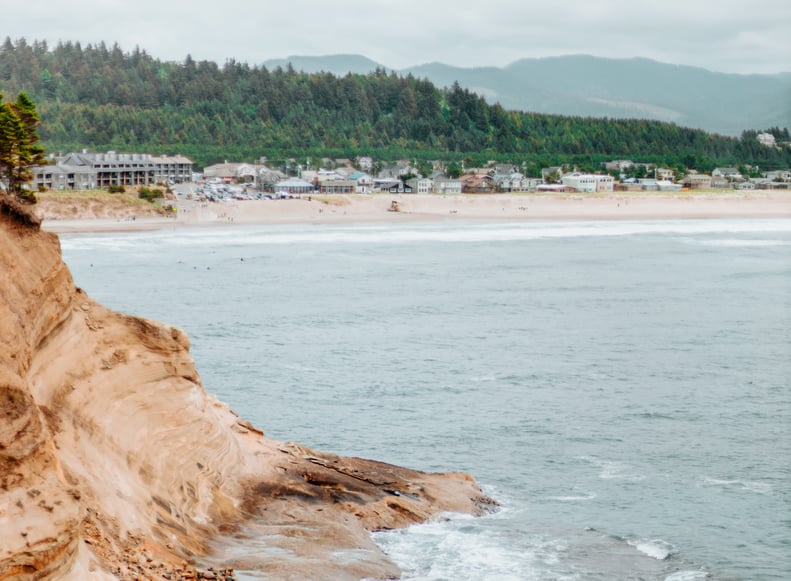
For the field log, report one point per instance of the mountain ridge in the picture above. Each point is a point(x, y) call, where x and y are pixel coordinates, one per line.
point(589, 86)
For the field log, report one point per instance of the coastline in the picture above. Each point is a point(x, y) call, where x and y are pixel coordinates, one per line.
point(367, 208)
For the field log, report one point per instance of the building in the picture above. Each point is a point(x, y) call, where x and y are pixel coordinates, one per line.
point(293, 186)
point(365, 183)
point(172, 168)
point(589, 183)
point(663, 173)
point(63, 177)
point(697, 180)
point(620, 165)
point(726, 172)
point(422, 185)
point(365, 163)
point(783, 175)
point(233, 172)
point(766, 139)
point(477, 184)
point(447, 186)
point(338, 186)
point(554, 188)
point(79, 171)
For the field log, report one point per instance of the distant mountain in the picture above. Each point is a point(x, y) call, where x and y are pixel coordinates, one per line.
point(337, 64)
point(598, 87)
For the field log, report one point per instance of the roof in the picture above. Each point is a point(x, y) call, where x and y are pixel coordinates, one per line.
point(294, 183)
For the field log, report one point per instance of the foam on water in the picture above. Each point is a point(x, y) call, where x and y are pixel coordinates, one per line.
point(654, 548)
point(248, 236)
point(612, 470)
point(688, 576)
point(573, 498)
point(462, 548)
point(740, 485)
point(736, 243)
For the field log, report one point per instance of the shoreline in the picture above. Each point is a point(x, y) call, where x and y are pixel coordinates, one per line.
point(376, 208)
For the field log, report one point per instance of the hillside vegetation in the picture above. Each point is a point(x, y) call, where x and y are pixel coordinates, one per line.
point(102, 98)
point(602, 87)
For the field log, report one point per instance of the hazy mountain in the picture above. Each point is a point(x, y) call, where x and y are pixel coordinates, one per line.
point(337, 64)
point(599, 87)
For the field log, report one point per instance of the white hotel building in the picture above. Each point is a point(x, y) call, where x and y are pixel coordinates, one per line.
point(589, 183)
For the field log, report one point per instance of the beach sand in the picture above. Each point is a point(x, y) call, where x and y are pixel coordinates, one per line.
point(361, 208)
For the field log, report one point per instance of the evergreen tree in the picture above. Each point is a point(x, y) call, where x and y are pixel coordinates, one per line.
point(19, 124)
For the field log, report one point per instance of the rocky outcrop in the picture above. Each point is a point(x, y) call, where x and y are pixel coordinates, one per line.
point(116, 463)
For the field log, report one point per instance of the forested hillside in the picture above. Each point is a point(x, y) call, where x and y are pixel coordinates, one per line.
point(99, 97)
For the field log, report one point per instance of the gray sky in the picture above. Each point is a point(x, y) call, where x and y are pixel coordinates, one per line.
point(727, 36)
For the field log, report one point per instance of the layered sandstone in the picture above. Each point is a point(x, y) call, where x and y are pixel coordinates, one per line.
point(116, 463)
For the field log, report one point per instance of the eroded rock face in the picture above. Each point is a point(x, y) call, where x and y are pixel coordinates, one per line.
point(116, 463)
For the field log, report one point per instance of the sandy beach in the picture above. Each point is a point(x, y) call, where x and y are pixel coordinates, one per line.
point(360, 208)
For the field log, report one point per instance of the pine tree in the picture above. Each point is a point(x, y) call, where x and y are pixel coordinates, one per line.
point(19, 153)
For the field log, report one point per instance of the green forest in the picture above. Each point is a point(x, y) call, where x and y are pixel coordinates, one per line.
point(101, 98)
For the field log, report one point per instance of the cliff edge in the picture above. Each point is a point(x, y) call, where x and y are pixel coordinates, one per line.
point(115, 463)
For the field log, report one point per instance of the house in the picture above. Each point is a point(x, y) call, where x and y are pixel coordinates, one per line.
point(668, 186)
point(589, 183)
point(663, 173)
point(267, 179)
point(365, 163)
point(329, 175)
point(365, 183)
point(531, 184)
point(766, 139)
point(726, 172)
point(620, 165)
point(648, 184)
point(233, 172)
point(507, 178)
point(580, 182)
point(397, 187)
point(783, 175)
point(763, 184)
point(604, 183)
point(477, 184)
point(421, 185)
point(697, 180)
point(445, 185)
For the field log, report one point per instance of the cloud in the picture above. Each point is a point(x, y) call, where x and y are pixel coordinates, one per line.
point(730, 37)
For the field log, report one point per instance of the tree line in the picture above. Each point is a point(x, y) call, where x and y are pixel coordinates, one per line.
point(100, 97)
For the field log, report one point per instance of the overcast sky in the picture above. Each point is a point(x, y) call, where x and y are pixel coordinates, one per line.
point(728, 36)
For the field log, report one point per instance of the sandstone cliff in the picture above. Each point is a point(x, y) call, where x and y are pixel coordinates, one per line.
point(116, 463)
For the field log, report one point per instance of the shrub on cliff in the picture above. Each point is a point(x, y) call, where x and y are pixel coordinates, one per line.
point(150, 194)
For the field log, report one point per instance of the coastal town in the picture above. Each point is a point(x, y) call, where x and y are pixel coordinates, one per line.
point(363, 175)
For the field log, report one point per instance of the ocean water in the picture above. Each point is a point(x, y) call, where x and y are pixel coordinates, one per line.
point(622, 388)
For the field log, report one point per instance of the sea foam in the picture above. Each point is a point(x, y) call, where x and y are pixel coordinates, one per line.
point(654, 548)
